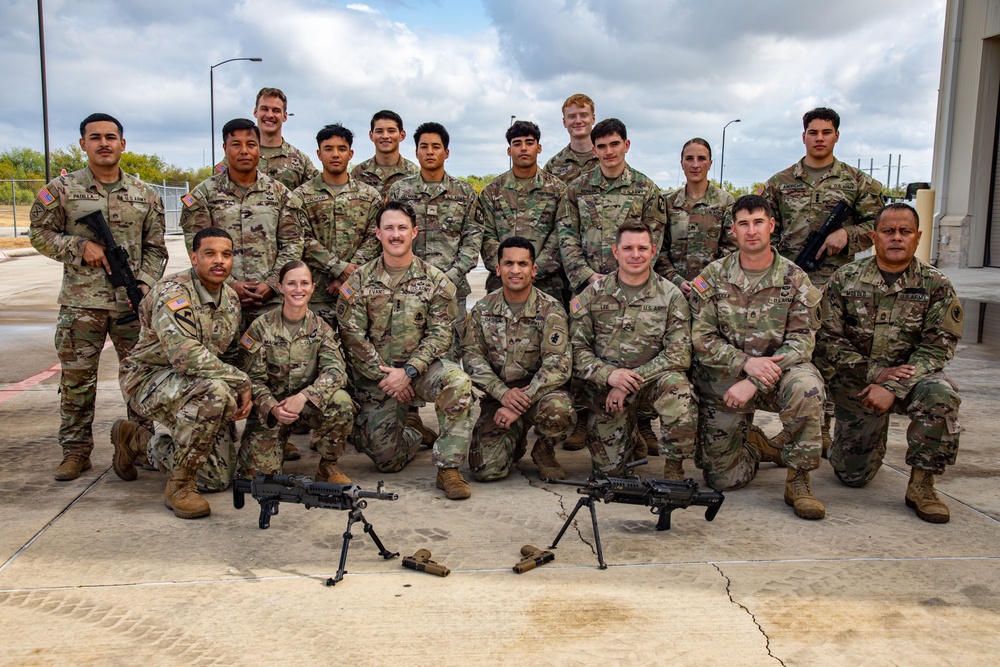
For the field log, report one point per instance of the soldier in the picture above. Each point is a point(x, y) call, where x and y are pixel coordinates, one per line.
point(890, 326)
point(594, 208)
point(175, 375)
point(523, 202)
point(755, 316)
point(278, 158)
point(337, 220)
point(578, 156)
point(298, 375)
point(517, 351)
point(396, 316)
point(387, 165)
point(699, 222)
point(632, 349)
point(89, 307)
point(802, 197)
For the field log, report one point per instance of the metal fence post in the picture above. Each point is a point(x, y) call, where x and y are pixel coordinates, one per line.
point(13, 204)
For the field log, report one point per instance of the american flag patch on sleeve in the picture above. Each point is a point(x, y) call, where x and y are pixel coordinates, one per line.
point(188, 199)
point(346, 290)
point(700, 284)
point(46, 196)
point(246, 341)
point(178, 303)
point(574, 305)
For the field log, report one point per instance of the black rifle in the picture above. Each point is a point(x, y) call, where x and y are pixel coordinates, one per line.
point(270, 490)
point(121, 273)
point(661, 496)
point(807, 258)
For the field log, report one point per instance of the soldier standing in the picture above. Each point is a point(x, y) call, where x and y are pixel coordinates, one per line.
point(890, 326)
point(176, 376)
point(396, 317)
point(337, 220)
point(517, 351)
point(278, 158)
point(699, 222)
point(578, 156)
point(89, 307)
point(523, 202)
point(755, 316)
point(387, 165)
point(632, 349)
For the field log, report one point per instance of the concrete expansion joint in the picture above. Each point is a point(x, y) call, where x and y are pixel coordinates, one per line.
point(729, 593)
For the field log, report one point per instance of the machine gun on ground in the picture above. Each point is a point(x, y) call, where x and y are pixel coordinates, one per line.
point(121, 273)
point(270, 490)
point(661, 496)
point(806, 259)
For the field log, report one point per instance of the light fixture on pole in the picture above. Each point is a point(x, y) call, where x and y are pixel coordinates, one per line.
point(722, 161)
point(211, 94)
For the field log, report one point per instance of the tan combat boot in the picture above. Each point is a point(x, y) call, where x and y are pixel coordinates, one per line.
point(291, 452)
point(71, 467)
point(543, 455)
point(181, 495)
point(920, 495)
point(130, 441)
point(648, 437)
point(455, 487)
point(578, 438)
point(798, 494)
point(329, 472)
point(673, 470)
point(770, 449)
point(427, 436)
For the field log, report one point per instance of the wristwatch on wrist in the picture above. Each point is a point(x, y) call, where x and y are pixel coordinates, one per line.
point(411, 371)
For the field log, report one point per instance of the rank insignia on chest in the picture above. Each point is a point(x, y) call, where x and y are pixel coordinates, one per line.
point(700, 284)
point(418, 316)
point(178, 303)
point(246, 341)
point(46, 196)
point(574, 305)
point(188, 199)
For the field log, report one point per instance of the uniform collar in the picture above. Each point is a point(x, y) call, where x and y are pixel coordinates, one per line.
point(736, 276)
point(833, 171)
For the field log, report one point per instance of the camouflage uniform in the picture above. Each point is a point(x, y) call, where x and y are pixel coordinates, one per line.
point(372, 173)
point(649, 335)
point(590, 214)
point(509, 208)
point(566, 166)
point(338, 228)
point(175, 376)
point(282, 366)
point(733, 321)
point(698, 232)
point(289, 165)
point(868, 327)
point(531, 352)
point(412, 324)
point(800, 206)
point(89, 305)
point(263, 224)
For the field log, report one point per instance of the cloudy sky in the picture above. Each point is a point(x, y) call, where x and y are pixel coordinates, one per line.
point(670, 69)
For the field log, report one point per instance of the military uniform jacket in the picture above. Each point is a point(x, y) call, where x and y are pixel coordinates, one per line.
point(508, 208)
point(566, 166)
point(282, 365)
point(289, 165)
point(800, 207)
point(372, 173)
point(337, 229)
point(263, 224)
point(732, 321)
point(650, 335)
point(592, 211)
point(450, 233)
point(532, 351)
point(698, 232)
point(868, 327)
point(184, 330)
point(134, 214)
point(412, 323)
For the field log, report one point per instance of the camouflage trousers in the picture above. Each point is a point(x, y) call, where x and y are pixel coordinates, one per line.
point(198, 412)
point(80, 336)
point(612, 436)
point(219, 467)
point(492, 452)
point(725, 457)
point(380, 432)
point(262, 447)
point(860, 436)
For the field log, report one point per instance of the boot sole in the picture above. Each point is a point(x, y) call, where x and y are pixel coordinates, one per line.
point(124, 472)
point(929, 518)
point(185, 515)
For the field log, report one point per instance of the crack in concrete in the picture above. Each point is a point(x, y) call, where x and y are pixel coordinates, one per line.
point(563, 512)
point(729, 593)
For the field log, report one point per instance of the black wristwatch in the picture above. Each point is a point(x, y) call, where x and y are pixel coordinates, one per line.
point(411, 371)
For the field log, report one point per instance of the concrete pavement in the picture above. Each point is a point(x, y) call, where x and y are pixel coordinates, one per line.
point(98, 571)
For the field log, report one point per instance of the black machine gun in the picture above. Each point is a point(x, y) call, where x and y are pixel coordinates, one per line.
point(121, 273)
point(661, 496)
point(807, 258)
point(270, 490)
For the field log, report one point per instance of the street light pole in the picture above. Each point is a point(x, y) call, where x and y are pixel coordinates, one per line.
point(211, 94)
point(722, 161)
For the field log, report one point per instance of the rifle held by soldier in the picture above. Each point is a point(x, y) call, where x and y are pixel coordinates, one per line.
point(807, 257)
point(121, 273)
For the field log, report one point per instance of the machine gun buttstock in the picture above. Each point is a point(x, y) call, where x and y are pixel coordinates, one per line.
point(714, 507)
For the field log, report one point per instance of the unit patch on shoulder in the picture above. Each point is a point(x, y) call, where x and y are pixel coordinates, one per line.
point(246, 341)
point(700, 284)
point(188, 200)
point(178, 303)
point(555, 338)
